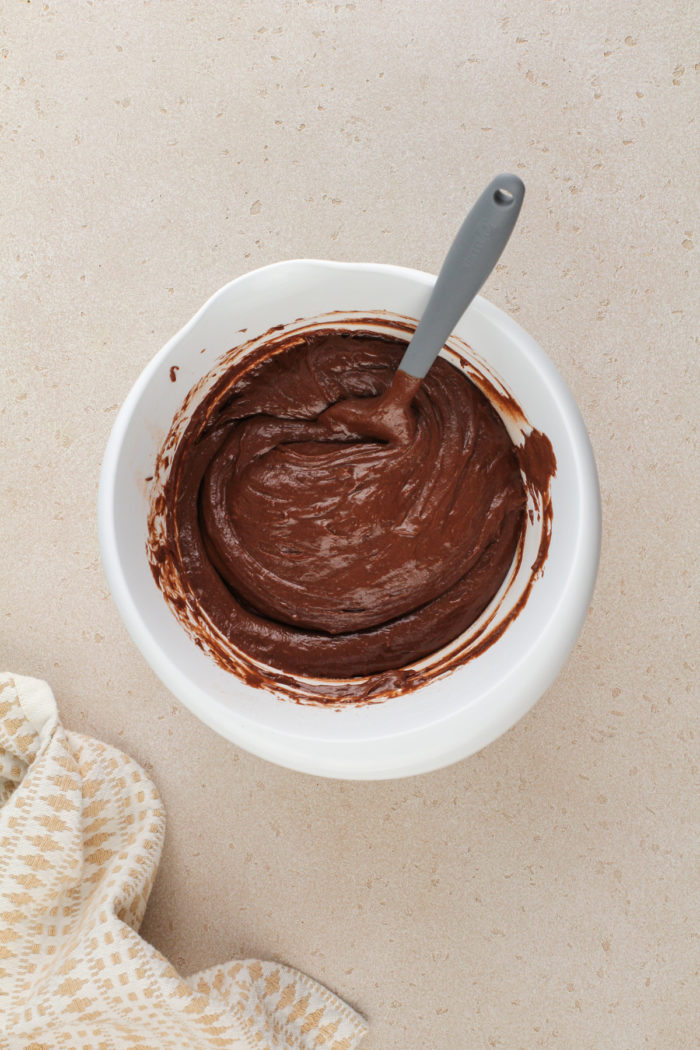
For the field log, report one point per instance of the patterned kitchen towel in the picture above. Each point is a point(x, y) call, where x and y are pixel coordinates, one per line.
point(81, 829)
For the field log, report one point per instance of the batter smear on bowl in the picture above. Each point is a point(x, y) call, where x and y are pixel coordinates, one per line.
point(331, 554)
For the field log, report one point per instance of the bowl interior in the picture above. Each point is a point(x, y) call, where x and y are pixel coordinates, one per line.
point(445, 719)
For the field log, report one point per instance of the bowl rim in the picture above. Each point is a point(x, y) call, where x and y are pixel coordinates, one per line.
point(413, 754)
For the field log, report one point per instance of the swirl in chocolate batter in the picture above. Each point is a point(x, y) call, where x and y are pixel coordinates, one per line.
point(290, 549)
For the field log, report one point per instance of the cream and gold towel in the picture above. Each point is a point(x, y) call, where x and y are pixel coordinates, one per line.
point(81, 829)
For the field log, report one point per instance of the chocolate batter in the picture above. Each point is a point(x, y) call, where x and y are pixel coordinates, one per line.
point(335, 554)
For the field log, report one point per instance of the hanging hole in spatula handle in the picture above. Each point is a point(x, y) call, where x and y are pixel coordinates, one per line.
point(502, 196)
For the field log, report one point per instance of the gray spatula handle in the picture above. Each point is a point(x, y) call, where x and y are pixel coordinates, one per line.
point(474, 253)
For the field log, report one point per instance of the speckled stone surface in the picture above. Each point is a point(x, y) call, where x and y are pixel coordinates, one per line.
point(541, 893)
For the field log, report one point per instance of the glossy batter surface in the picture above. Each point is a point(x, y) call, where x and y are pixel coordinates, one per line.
point(340, 555)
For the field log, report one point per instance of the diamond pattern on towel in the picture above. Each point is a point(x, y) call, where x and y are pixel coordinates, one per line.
point(81, 832)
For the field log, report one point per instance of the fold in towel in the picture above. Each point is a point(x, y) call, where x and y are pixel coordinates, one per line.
point(81, 830)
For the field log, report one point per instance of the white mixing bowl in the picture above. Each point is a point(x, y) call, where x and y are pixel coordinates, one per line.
point(451, 716)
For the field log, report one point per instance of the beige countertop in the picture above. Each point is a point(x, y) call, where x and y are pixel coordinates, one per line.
point(541, 893)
